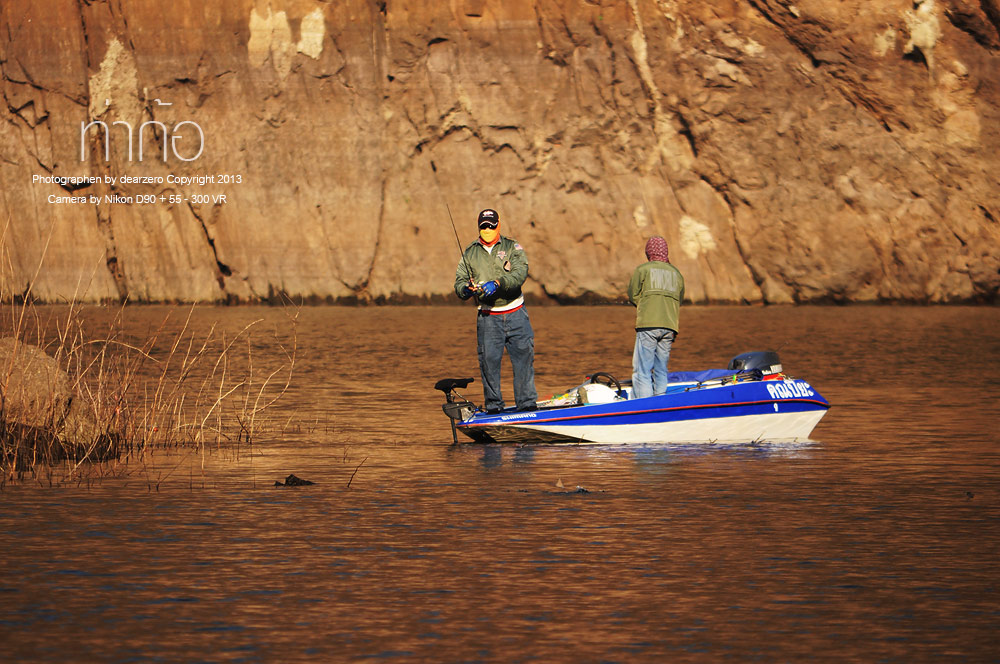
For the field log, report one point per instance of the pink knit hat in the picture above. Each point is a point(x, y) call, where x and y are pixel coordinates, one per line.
point(656, 250)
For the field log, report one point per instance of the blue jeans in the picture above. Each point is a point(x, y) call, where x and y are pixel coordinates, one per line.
point(512, 331)
point(649, 361)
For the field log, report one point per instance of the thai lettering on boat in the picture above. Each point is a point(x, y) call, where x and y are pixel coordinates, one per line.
point(789, 389)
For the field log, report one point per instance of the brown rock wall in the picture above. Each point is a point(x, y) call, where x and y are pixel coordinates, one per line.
point(787, 151)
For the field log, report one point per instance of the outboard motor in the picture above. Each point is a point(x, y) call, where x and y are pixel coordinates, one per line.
point(766, 361)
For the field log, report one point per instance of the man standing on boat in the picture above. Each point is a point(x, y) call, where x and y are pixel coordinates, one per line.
point(656, 290)
point(493, 269)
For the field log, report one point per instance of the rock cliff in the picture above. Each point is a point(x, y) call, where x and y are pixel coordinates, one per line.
point(787, 151)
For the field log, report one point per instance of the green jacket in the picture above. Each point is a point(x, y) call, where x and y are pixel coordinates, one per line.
point(656, 289)
point(508, 264)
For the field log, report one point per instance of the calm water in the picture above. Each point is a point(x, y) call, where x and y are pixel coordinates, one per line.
point(881, 541)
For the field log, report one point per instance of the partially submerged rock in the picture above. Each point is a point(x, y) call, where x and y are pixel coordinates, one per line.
point(34, 390)
point(292, 480)
point(42, 416)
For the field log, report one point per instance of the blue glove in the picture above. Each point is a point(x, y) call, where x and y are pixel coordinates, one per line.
point(467, 292)
point(490, 288)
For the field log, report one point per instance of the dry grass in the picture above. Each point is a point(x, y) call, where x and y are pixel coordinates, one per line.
point(176, 387)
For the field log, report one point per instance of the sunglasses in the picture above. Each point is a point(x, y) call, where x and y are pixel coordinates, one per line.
point(488, 224)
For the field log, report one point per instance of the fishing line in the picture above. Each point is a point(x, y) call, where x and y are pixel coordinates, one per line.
point(461, 251)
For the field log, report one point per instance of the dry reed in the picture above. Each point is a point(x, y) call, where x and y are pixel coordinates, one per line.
point(176, 387)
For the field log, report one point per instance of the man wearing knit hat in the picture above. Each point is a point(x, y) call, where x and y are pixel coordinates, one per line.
point(656, 290)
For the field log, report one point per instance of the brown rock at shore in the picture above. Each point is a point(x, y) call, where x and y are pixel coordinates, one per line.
point(787, 152)
point(34, 390)
point(41, 414)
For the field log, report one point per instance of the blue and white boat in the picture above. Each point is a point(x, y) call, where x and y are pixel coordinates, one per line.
point(750, 401)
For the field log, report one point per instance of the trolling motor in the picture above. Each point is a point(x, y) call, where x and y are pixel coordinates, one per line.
point(456, 409)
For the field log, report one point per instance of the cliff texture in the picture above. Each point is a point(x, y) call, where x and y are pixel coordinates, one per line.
point(786, 151)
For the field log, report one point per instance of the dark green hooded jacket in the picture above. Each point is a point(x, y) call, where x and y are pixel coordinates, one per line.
point(656, 289)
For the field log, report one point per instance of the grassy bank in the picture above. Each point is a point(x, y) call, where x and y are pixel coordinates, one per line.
point(103, 397)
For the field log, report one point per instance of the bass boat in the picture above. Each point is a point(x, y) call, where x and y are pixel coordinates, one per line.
point(751, 401)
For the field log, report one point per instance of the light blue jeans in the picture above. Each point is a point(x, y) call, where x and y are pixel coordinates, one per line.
point(649, 361)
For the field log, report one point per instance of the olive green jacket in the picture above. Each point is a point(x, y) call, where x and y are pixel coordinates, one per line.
point(656, 289)
point(508, 265)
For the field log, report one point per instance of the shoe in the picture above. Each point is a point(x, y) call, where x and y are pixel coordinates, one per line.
point(526, 409)
point(492, 411)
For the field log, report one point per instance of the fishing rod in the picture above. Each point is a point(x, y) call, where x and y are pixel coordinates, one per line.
point(461, 251)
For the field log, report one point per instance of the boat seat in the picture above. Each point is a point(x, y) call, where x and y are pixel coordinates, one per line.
point(446, 385)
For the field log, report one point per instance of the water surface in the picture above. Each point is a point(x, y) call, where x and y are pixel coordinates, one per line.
point(879, 541)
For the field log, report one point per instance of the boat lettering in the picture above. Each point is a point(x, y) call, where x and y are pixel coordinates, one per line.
point(519, 416)
point(789, 389)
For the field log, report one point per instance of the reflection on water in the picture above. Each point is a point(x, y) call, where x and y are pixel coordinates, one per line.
point(877, 542)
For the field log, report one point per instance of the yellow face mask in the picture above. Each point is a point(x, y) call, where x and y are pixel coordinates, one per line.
point(489, 235)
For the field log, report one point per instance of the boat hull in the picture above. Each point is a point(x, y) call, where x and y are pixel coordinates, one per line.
point(773, 411)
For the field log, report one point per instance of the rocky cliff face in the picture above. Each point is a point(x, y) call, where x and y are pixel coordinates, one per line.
point(787, 151)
